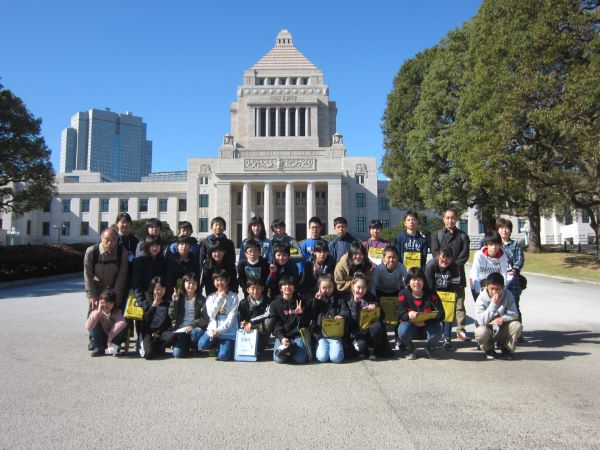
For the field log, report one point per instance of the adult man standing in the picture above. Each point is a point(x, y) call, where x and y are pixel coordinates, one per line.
point(458, 243)
point(496, 312)
point(105, 267)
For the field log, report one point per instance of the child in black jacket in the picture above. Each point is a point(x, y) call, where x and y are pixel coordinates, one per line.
point(282, 267)
point(252, 265)
point(254, 312)
point(188, 312)
point(370, 338)
point(290, 314)
point(156, 323)
point(327, 304)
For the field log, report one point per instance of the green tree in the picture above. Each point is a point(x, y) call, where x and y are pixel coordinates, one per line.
point(26, 173)
point(138, 228)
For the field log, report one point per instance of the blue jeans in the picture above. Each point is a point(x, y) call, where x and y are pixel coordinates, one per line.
point(298, 355)
point(406, 331)
point(225, 347)
point(184, 341)
point(330, 350)
point(100, 338)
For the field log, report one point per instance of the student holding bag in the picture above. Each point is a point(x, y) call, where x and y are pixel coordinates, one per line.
point(326, 306)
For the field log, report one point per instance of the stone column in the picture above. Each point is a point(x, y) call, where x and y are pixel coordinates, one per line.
point(307, 121)
point(246, 196)
point(287, 121)
point(268, 120)
point(310, 202)
point(289, 208)
point(268, 208)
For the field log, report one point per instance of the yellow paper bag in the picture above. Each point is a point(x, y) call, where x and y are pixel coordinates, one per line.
point(412, 259)
point(376, 255)
point(449, 303)
point(423, 316)
point(368, 317)
point(332, 328)
point(390, 308)
point(131, 310)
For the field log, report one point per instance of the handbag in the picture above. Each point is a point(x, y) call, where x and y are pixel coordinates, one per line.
point(368, 317)
point(246, 345)
point(390, 308)
point(449, 303)
point(332, 328)
point(132, 311)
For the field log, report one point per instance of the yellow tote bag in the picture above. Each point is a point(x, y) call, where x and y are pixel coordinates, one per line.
point(368, 317)
point(131, 310)
point(390, 308)
point(412, 259)
point(449, 303)
point(332, 328)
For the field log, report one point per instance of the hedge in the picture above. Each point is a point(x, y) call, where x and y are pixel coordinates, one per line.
point(21, 262)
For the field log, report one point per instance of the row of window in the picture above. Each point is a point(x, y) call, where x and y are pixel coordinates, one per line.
point(123, 205)
point(281, 81)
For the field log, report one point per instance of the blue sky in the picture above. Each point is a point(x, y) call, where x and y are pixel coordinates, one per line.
point(177, 64)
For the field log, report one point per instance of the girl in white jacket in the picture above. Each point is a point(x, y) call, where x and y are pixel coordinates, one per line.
point(221, 307)
point(489, 259)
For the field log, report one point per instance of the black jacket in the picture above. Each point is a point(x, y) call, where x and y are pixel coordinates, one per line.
point(459, 244)
point(245, 271)
point(286, 322)
point(308, 286)
point(206, 281)
point(227, 244)
point(144, 269)
point(155, 318)
point(254, 314)
point(351, 311)
point(177, 312)
point(177, 268)
point(288, 269)
point(428, 303)
point(327, 307)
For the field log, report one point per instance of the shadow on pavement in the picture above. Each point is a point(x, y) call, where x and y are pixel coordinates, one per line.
point(66, 286)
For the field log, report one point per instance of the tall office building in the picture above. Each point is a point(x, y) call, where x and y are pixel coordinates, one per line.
point(102, 141)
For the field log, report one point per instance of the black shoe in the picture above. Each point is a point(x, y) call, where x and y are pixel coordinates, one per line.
point(491, 354)
point(447, 344)
point(284, 352)
point(372, 356)
point(97, 352)
point(90, 346)
point(431, 352)
point(506, 353)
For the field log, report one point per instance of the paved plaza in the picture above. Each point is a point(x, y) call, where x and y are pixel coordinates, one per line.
point(54, 395)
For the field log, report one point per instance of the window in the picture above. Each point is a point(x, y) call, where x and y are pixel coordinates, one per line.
point(203, 201)
point(28, 227)
point(361, 224)
point(321, 198)
point(463, 225)
point(238, 199)
point(271, 81)
point(300, 198)
point(568, 217)
point(360, 179)
point(47, 206)
point(203, 180)
point(259, 198)
point(520, 225)
point(84, 229)
point(123, 204)
point(85, 205)
point(103, 205)
point(260, 81)
point(103, 226)
point(481, 226)
point(304, 80)
point(293, 81)
point(385, 223)
point(384, 204)
point(162, 205)
point(143, 205)
point(585, 216)
point(360, 200)
point(203, 228)
point(66, 205)
point(65, 229)
point(45, 228)
point(182, 204)
point(280, 198)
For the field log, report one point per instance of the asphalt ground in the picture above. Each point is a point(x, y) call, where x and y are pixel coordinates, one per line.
point(54, 395)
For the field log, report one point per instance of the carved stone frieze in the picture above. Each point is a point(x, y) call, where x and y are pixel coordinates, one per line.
point(282, 164)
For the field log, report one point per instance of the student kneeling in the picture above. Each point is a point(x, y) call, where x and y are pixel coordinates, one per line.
point(496, 310)
point(288, 313)
point(106, 325)
point(420, 313)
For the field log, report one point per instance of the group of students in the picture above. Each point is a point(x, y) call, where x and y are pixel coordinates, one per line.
point(322, 300)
